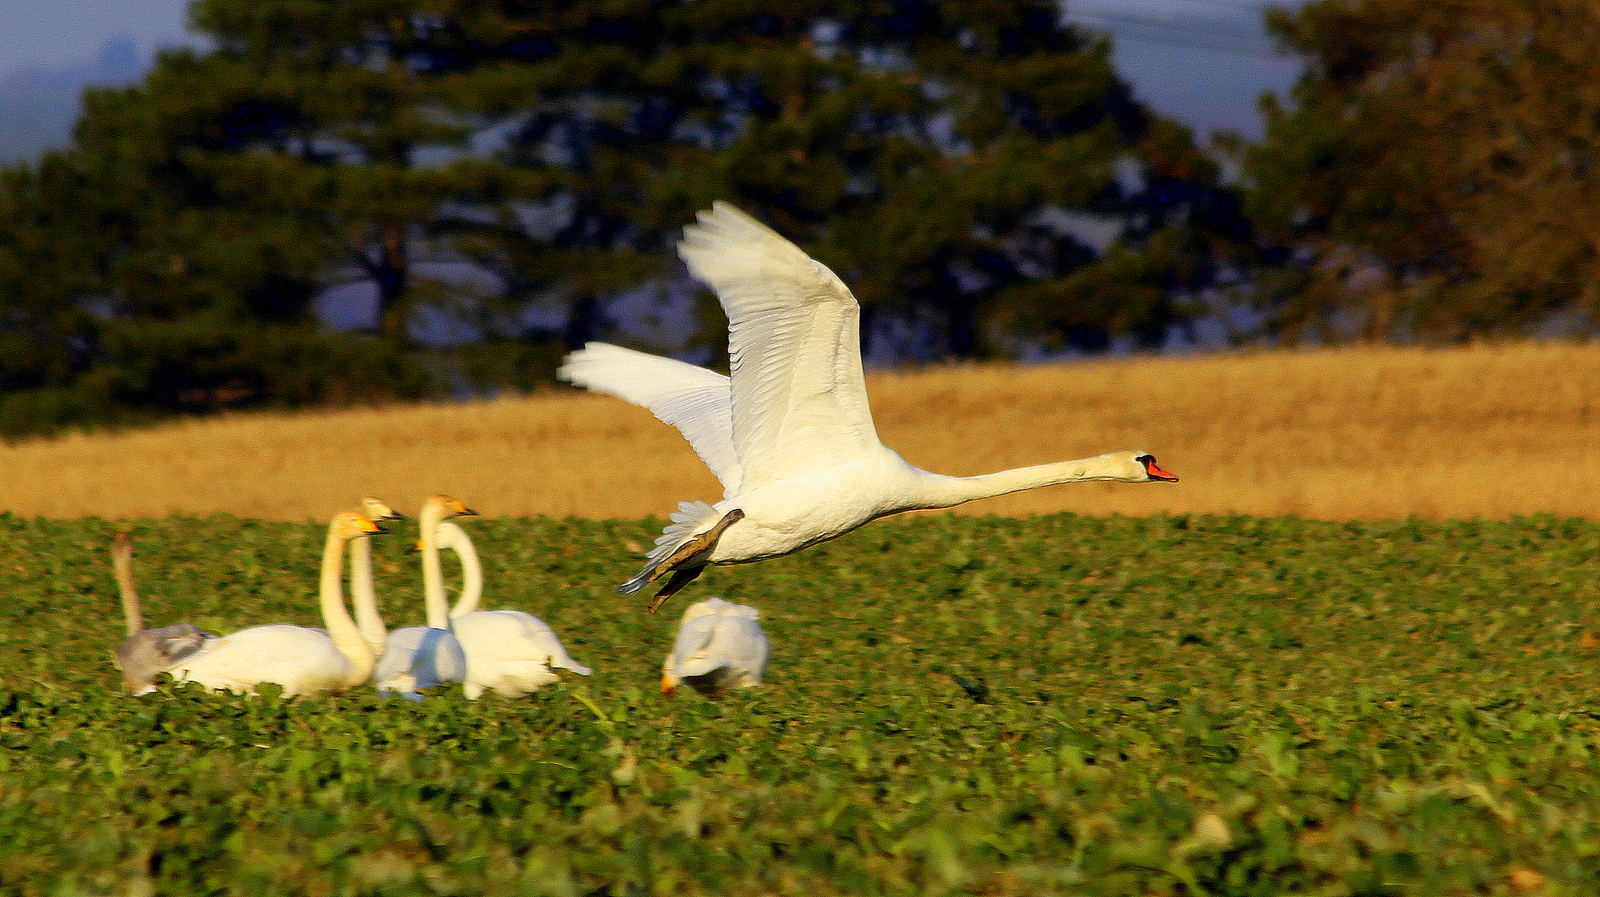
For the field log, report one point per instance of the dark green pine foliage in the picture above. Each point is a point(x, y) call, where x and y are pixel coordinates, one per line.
point(470, 162)
point(201, 214)
point(1433, 171)
point(946, 159)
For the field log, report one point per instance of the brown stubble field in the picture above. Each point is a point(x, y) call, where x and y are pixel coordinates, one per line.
point(1493, 431)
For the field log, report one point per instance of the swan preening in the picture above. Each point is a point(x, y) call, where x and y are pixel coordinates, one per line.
point(719, 646)
point(146, 653)
point(419, 657)
point(300, 659)
point(789, 433)
point(509, 652)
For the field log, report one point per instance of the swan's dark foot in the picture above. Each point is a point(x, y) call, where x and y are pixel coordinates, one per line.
point(688, 560)
point(680, 578)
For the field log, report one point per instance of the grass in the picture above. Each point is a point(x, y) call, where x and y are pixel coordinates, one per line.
point(1169, 705)
point(1361, 433)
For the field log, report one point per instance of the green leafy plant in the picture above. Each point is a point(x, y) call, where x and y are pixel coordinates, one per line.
point(1059, 705)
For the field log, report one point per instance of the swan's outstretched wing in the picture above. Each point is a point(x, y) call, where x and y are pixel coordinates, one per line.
point(799, 401)
point(696, 401)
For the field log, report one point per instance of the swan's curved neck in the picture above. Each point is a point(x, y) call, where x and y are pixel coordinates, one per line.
point(122, 570)
point(432, 573)
point(365, 597)
point(471, 574)
point(939, 491)
point(336, 617)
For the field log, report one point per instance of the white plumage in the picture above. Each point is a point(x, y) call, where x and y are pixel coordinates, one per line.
point(418, 657)
point(362, 593)
point(509, 652)
point(719, 646)
point(301, 659)
point(789, 433)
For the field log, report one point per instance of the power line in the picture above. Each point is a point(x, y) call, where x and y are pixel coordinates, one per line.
point(1157, 31)
point(1169, 41)
point(1187, 27)
point(1250, 6)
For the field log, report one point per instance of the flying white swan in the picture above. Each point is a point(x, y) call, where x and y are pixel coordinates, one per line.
point(719, 646)
point(790, 433)
point(419, 657)
point(145, 653)
point(301, 659)
point(509, 652)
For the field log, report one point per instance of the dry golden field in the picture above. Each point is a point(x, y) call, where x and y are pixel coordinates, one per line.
point(1489, 431)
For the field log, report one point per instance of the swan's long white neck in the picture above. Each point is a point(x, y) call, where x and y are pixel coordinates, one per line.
point(471, 573)
point(336, 617)
point(438, 603)
point(365, 596)
point(940, 491)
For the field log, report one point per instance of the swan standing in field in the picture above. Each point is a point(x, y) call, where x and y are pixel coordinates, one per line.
point(719, 646)
point(146, 653)
point(789, 433)
point(419, 657)
point(301, 659)
point(509, 652)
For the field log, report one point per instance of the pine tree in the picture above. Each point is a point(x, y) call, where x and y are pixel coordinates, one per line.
point(936, 154)
point(1434, 172)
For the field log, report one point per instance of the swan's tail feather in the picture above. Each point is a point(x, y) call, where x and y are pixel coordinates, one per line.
point(688, 521)
point(639, 581)
point(567, 663)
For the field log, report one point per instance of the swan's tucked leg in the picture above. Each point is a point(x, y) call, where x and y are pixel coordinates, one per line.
point(685, 562)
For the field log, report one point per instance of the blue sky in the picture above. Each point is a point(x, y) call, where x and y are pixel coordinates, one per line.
point(1204, 62)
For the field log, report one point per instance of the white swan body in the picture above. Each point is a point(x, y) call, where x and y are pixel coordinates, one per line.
point(146, 653)
point(719, 646)
point(509, 652)
point(419, 657)
point(789, 433)
point(300, 659)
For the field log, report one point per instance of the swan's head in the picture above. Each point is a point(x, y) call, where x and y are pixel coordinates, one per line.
point(378, 509)
point(1136, 467)
point(1153, 472)
point(349, 525)
point(442, 506)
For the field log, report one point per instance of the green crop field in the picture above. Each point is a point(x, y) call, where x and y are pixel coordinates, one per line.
point(1058, 705)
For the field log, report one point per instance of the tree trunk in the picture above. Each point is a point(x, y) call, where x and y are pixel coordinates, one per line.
point(392, 273)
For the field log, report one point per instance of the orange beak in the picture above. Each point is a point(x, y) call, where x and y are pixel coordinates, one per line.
point(1157, 473)
point(667, 688)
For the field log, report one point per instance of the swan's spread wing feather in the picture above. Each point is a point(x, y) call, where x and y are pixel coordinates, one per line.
point(799, 401)
point(696, 401)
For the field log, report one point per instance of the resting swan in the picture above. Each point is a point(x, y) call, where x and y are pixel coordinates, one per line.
point(362, 593)
point(719, 646)
point(790, 433)
point(419, 657)
point(509, 652)
point(301, 659)
point(146, 653)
